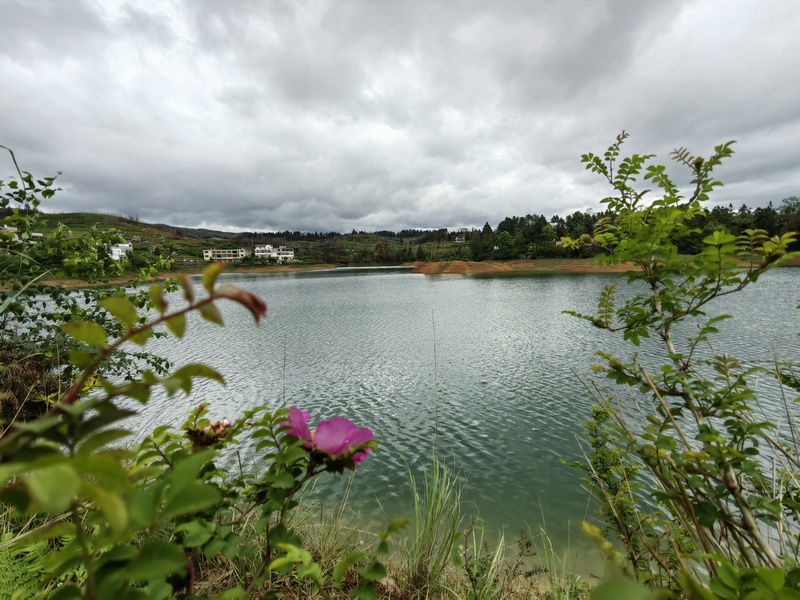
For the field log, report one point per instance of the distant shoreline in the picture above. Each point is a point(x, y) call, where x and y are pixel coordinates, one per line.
point(557, 265)
point(457, 267)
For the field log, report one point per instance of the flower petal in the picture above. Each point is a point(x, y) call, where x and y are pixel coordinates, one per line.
point(359, 456)
point(362, 436)
point(298, 424)
point(333, 436)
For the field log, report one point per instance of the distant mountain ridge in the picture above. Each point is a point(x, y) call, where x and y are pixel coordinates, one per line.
point(199, 234)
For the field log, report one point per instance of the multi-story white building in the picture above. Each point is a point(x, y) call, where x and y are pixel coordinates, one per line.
point(284, 254)
point(225, 256)
point(119, 251)
point(262, 251)
point(280, 254)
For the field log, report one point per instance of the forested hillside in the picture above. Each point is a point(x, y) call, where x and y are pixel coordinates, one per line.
point(532, 236)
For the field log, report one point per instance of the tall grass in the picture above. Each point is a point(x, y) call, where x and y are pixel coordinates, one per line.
point(434, 531)
point(561, 582)
point(485, 567)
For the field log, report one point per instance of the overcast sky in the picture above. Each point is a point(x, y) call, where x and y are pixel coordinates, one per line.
point(388, 114)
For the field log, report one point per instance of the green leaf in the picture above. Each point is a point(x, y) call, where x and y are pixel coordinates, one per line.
point(212, 548)
point(236, 593)
point(192, 498)
point(101, 439)
point(366, 590)
point(196, 533)
point(291, 454)
point(773, 579)
point(188, 469)
point(793, 576)
point(122, 309)
point(210, 275)
point(722, 591)
point(156, 560)
point(105, 468)
point(395, 526)
point(727, 575)
point(283, 481)
point(157, 299)
point(373, 572)
point(141, 337)
point(340, 569)
point(143, 504)
point(111, 505)
point(86, 332)
point(53, 487)
point(69, 592)
point(80, 359)
point(177, 324)
point(211, 313)
point(199, 370)
point(186, 284)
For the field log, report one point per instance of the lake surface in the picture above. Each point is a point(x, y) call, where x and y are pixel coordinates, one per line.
point(492, 357)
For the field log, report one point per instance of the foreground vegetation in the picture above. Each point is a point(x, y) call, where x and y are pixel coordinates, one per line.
point(695, 482)
point(698, 490)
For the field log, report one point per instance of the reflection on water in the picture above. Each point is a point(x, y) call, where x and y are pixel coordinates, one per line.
point(493, 358)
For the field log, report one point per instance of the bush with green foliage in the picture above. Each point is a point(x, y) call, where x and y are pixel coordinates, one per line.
point(717, 513)
point(33, 347)
point(92, 518)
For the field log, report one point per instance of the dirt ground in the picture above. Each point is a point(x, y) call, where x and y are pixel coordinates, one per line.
point(464, 267)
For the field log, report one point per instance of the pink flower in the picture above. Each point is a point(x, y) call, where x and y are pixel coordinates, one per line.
point(335, 437)
point(298, 424)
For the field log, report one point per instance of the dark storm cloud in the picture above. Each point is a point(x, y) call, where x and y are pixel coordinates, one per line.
point(385, 115)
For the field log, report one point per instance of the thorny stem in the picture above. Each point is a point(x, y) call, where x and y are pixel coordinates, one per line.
point(88, 561)
point(666, 335)
point(749, 522)
point(268, 550)
point(73, 392)
point(309, 474)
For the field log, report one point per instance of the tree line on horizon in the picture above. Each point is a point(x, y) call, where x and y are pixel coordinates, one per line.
point(533, 236)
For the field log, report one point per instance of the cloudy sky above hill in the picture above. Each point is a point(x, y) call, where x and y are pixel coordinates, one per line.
point(388, 114)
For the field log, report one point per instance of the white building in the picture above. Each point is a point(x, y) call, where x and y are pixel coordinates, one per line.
point(262, 251)
point(119, 251)
point(280, 254)
point(12, 231)
point(225, 256)
point(31, 237)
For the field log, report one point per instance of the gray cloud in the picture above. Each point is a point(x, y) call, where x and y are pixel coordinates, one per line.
point(387, 115)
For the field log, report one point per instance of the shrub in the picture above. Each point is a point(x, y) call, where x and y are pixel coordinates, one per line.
point(136, 523)
point(723, 517)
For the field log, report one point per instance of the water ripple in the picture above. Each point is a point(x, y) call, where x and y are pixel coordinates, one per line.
point(483, 366)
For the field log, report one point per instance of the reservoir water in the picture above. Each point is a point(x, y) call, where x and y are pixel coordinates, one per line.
point(490, 361)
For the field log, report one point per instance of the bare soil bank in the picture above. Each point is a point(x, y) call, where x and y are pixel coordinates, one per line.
point(558, 265)
point(467, 267)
